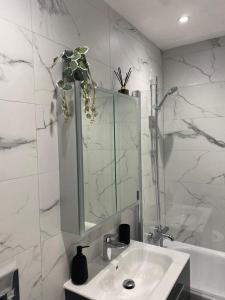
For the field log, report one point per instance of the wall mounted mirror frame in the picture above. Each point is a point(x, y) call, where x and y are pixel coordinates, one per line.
point(104, 158)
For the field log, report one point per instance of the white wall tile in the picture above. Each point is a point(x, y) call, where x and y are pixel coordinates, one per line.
point(47, 143)
point(219, 64)
point(18, 140)
point(198, 166)
point(16, 63)
point(199, 101)
point(29, 266)
point(194, 143)
point(19, 216)
point(55, 268)
point(54, 21)
point(89, 20)
point(45, 76)
point(28, 134)
point(189, 69)
point(16, 11)
point(197, 134)
point(49, 204)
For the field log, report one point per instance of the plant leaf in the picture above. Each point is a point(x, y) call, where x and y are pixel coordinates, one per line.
point(82, 65)
point(76, 55)
point(82, 50)
point(73, 65)
point(67, 72)
point(60, 83)
point(67, 87)
point(55, 60)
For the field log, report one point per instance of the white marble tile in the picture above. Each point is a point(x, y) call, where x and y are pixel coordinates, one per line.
point(17, 140)
point(16, 63)
point(101, 73)
point(200, 101)
point(16, 11)
point(19, 216)
point(100, 5)
point(55, 268)
point(55, 26)
point(124, 26)
point(197, 134)
point(209, 199)
point(93, 28)
point(29, 266)
point(47, 140)
point(194, 143)
point(189, 69)
point(196, 166)
point(46, 77)
point(192, 48)
point(49, 204)
point(188, 224)
point(126, 52)
point(53, 20)
point(219, 65)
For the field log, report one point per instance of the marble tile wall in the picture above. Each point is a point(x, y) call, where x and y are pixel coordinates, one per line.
point(194, 140)
point(32, 32)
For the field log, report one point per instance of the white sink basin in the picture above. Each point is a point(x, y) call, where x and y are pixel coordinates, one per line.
point(154, 271)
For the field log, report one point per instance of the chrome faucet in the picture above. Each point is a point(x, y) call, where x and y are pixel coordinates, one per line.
point(109, 242)
point(159, 234)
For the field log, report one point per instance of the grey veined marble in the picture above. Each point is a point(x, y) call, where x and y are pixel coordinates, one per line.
point(194, 140)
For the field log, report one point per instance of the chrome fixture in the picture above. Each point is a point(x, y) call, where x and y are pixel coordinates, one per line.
point(158, 235)
point(159, 231)
point(109, 242)
point(170, 92)
point(129, 284)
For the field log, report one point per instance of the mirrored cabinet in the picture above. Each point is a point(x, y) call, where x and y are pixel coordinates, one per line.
point(100, 160)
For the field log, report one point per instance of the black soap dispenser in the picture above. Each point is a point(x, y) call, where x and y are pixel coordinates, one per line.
point(79, 270)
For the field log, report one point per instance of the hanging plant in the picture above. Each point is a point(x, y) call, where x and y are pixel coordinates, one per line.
point(76, 67)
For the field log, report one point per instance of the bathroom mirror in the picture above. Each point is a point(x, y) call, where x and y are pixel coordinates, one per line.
point(100, 163)
point(99, 177)
point(127, 141)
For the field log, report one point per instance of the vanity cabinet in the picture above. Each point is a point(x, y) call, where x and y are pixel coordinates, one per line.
point(181, 289)
point(72, 296)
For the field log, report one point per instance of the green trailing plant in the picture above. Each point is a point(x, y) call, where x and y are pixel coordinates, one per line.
point(76, 67)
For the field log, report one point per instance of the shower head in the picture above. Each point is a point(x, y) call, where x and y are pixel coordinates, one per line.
point(170, 92)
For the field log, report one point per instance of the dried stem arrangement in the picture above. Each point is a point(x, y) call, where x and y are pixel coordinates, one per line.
point(123, 82)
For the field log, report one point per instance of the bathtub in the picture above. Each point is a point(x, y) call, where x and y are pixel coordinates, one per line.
point(207, 269)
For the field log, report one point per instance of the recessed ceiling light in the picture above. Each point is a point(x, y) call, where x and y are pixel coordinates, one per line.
point(183, 19)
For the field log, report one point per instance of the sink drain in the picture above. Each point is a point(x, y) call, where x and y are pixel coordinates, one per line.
point(128, 284)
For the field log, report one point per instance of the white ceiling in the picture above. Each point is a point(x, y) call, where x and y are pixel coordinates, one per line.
point(157, 19)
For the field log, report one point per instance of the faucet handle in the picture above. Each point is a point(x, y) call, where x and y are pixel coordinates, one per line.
point(165, 229)
point(108, 237)
point(149, 236)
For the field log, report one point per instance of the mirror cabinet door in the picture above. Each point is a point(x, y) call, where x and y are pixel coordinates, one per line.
point(99, 191)
point(127, 141)
point(99, 160)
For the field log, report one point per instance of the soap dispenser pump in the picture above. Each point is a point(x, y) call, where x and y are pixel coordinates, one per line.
point(79, 269)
